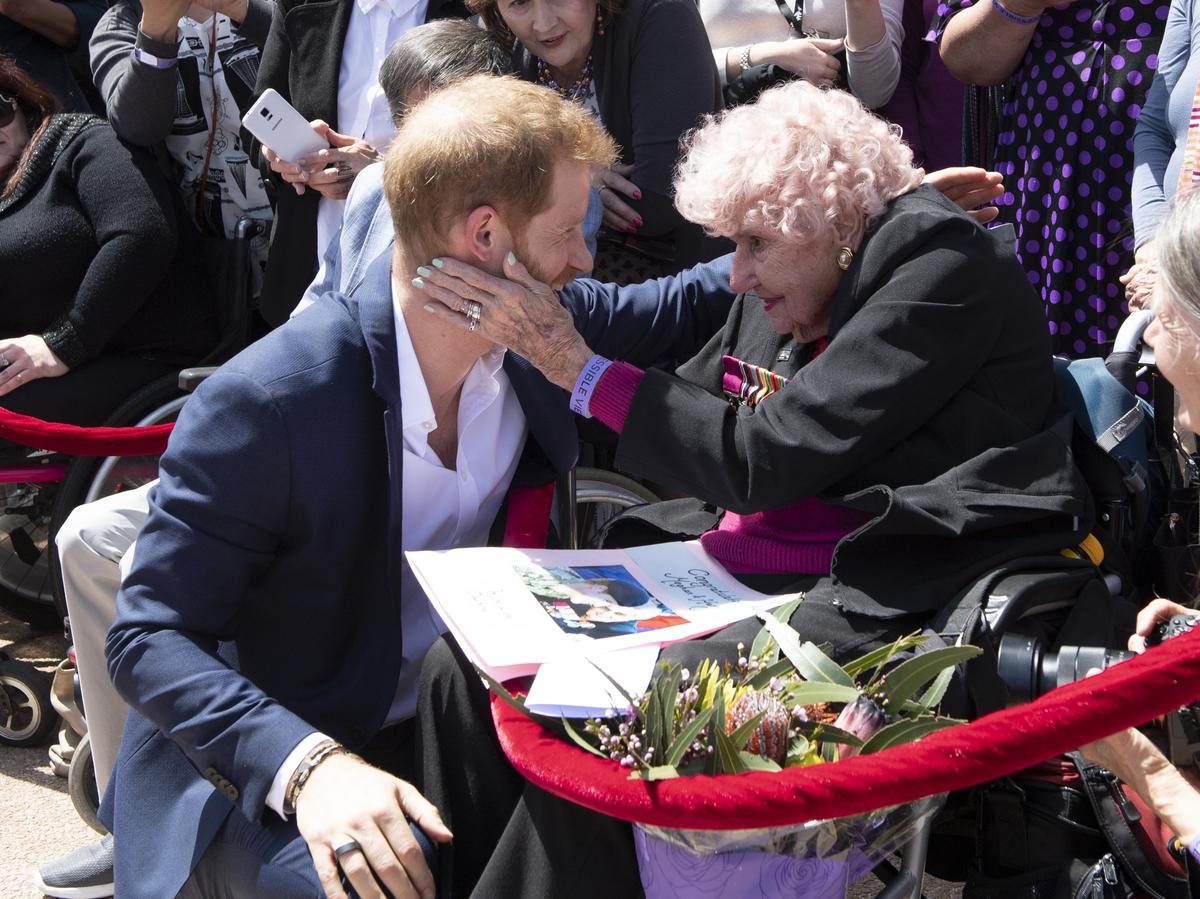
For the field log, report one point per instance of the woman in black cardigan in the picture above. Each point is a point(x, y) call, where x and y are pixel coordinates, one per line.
point(645, 68)
point(101, 294)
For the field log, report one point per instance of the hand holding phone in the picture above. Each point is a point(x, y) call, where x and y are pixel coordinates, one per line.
point(275, 122)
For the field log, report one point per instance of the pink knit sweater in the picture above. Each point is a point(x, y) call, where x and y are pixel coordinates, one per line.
point(798, 539)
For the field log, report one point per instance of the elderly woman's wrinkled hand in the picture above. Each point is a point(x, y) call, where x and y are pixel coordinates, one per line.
point(970, 187)
point(518, 312)
point(1139, 284)
point(25, 359)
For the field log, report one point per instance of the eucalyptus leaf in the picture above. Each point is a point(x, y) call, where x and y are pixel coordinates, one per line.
point(730, 759)
point(754, 762)
point(580, 741)
point(763, 642)
point(827, 733)
point(661, 772)
point(625, 694)
point(881, 656)
point(778, 668)
point(812, 664)
point(910, 676)
point(498, 689)
point(687, 736)
point(905, 731)
point(936, 690)
point(810, 693)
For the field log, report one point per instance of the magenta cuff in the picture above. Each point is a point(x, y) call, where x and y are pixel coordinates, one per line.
point(613, 394)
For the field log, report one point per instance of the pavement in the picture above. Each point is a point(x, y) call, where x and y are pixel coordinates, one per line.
point(38, 823)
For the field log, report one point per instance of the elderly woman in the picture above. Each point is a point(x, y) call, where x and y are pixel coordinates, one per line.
point(645, 70)
point(875, 420)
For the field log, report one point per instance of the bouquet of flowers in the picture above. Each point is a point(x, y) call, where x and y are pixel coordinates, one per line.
point(784, 703)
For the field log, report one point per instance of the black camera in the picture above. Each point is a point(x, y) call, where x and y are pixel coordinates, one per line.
point(1028, 670)
point(1182, 725)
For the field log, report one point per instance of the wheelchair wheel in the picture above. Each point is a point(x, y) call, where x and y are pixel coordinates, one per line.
point(601, 494)
point(25, 576)
point(26, 717)
point(81, 785)
point(90, 478)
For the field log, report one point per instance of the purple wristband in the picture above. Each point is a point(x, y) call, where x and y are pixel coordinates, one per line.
point(581, 396)
point(1013, 17)
point(154, 62)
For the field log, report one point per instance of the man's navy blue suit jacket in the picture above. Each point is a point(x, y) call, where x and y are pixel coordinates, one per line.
point(274, 539)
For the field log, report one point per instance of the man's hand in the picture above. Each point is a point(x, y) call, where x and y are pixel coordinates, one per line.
point(970, 188)
point(518, 312)
point(345, 800)
point(25, 359)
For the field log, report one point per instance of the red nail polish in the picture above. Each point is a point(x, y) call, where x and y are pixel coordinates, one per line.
point(630, 229)
point(637, 222)
point(637, 194)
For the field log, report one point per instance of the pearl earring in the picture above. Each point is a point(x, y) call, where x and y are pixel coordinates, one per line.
point(844, 257)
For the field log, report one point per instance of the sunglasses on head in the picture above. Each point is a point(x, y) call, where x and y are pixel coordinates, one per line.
point(8, 111)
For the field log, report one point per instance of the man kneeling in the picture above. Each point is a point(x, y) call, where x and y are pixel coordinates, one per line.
point(270, 628)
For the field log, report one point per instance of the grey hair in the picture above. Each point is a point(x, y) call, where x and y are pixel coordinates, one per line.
point(1179, 255)
point(436, 54)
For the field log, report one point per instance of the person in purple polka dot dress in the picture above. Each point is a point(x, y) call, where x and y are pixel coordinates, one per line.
point(1077, 77)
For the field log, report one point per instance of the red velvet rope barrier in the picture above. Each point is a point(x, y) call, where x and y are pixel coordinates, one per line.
point(79, 441)
point(1004, 742)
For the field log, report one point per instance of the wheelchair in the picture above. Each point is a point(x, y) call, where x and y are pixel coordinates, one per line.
point(1074, 599)
point(42, 488)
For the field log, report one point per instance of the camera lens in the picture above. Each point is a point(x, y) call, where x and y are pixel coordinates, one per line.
point(1072, 663)
point(265, 113)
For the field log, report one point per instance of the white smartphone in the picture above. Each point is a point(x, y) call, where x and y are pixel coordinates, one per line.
point(275, 122)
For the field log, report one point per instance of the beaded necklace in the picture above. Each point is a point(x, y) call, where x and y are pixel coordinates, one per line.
point(578, 89)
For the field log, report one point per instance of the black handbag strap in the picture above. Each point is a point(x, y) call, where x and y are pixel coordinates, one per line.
point(795, 17)
point(1114, 812)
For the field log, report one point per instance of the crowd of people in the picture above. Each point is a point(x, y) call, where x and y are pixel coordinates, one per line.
point(736, 234)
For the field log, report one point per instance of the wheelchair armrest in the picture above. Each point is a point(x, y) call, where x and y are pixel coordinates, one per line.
point(1018, 596)
point(190, 378)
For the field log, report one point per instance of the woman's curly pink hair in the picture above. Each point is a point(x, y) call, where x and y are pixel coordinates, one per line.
point(800, 161)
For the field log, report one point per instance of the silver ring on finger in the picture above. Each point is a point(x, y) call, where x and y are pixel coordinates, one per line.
point(4, 362)
point(345, 849)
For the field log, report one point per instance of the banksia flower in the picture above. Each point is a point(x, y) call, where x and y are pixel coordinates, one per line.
point(861, 718)
point(770, 737)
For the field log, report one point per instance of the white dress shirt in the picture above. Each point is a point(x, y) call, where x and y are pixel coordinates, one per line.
point(362, 110)
point(443, 507)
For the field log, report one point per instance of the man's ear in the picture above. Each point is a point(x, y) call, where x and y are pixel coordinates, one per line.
point(486, 235)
